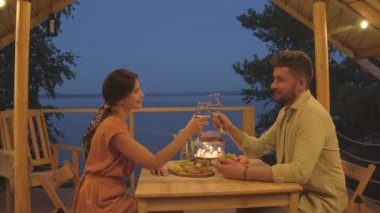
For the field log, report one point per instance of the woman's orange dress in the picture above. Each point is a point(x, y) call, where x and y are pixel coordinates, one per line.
point(102, 187)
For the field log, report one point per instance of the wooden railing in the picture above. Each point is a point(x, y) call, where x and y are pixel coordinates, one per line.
point(248, 114)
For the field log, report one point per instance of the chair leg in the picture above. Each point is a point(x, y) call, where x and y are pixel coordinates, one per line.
point(362, 208)
point(8, 197)
point(52, 193)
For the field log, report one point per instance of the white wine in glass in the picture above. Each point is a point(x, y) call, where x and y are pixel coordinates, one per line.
point(202, 110)
point(215, 105)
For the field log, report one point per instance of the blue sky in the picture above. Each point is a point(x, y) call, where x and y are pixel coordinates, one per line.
point(173, 45)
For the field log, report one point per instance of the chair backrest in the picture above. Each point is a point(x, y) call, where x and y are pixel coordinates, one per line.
point(6, 162)
point(6, 129)
point(7, 168)
point(39, 144)
point(360, 174)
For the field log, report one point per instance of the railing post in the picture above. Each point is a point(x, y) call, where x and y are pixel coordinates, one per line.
point(132, 132)
point(248, 118)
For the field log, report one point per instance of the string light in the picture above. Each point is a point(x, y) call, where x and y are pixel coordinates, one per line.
point(364, 24)
point(2, 3)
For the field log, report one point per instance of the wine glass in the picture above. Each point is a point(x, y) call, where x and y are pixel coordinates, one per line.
point(215, 105)
point(202, 110)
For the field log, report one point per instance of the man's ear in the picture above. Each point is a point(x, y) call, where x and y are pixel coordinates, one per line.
point(302, 83)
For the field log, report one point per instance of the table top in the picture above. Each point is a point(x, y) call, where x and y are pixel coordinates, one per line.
point(152, 186)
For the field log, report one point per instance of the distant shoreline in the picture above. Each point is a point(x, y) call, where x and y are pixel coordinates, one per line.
point(223, 93)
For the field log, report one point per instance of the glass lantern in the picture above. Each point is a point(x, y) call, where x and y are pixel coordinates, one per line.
point(210, 145)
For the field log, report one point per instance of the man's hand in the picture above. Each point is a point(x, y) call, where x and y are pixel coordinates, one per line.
point(230, 168)
point(221, 121)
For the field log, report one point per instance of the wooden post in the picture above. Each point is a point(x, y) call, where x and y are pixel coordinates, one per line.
point(321, 53)
point(132, 179)
point(248, 117)
point(21, 162)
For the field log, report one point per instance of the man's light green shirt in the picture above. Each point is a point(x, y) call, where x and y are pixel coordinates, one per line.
point(307, 153)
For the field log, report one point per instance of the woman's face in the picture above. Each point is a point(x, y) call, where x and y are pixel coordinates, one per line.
point(133, 100)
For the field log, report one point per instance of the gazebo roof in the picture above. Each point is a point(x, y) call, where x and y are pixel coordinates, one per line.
point(343, 27)
point(39, 13)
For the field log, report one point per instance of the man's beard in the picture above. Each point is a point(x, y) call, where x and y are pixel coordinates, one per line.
point(285, 98)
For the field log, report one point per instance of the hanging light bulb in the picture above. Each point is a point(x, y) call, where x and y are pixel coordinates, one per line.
point(2, 3)
point(52, 25)
point(364, 24)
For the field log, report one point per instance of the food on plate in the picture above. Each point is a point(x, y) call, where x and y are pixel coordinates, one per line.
point(190, 169)
point(231, 156)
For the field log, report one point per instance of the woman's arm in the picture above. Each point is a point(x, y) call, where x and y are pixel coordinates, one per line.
point(136, 152)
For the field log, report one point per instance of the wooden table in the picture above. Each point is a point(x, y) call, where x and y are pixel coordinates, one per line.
point(155, 193)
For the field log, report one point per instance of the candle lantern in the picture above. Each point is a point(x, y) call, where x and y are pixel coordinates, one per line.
point(210, 145)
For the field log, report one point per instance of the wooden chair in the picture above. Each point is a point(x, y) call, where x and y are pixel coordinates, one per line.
point(6, 135)
point(6, 171)
point(40, 138)
point(362, 175)
point(44, 164)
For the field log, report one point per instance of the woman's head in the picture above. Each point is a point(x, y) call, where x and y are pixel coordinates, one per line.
point(118, 85)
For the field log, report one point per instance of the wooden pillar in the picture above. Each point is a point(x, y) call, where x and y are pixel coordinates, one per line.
point(248, 117)
point(321, 53)
point(132, 177)
point(21, 162)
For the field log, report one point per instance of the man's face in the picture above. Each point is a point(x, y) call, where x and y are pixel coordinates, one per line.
point(285, 86)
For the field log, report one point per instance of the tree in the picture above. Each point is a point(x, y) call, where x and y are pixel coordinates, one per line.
point(48, 66)
point(355, 102)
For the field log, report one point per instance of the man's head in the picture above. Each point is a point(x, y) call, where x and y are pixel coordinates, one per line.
point(293, 72)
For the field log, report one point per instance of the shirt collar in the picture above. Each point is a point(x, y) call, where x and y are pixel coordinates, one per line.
point(301, 100)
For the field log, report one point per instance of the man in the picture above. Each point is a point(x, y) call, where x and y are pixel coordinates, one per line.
point(303, 136)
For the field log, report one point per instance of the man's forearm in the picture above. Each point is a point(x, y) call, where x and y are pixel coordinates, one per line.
point(237, 135)
point(259, 173)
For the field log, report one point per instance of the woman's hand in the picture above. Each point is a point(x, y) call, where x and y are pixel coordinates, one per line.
point(163, 171)
point(196, 125)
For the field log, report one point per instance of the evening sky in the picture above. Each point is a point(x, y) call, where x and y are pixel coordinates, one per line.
point(173, 45)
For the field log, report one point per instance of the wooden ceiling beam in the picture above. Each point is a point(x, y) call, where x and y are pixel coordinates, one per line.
point(309, 24)
point(36, 20)
point(370, 67)
point(369, 13)
point(370, 52)
point(359, 57)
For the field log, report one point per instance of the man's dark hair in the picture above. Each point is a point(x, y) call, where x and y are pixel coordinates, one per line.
point(298, 62)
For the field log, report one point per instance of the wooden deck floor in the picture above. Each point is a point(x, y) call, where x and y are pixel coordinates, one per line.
point(41, 203)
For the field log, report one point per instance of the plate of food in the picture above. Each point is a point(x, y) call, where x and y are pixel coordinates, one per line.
point(188, 168)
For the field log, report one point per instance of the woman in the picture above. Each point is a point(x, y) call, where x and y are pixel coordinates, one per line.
point(112, 152)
